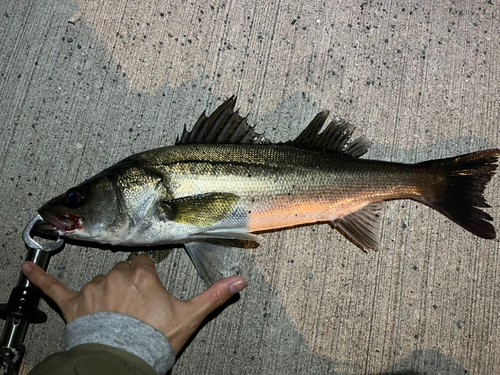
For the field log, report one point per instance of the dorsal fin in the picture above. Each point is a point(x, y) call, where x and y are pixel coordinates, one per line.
point(335, 137)
point(225, 125)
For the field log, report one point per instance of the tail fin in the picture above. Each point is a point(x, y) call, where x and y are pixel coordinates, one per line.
point(466, 179)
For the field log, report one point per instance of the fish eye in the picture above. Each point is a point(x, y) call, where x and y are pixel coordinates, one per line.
point(74, 197)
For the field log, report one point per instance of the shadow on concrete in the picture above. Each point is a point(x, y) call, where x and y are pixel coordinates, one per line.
point(425, 362)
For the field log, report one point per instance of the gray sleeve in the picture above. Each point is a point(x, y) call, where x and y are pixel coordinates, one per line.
point(124, 332)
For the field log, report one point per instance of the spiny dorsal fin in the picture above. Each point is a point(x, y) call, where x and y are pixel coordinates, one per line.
point(362, 227)
point(334, 138)
point(225, 125)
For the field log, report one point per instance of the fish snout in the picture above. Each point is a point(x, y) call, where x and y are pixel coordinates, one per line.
point(58, 223)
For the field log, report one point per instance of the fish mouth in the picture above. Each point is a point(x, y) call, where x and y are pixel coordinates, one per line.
point(57, 223)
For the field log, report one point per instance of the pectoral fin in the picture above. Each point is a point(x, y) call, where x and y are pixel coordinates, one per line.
point(227, 233)
point(362, 227)
point(200, 210)
point(213, 262)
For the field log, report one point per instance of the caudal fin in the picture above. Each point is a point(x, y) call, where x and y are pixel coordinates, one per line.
point(462, 194)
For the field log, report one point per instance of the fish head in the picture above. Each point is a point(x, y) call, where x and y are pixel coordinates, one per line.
point(89, 211)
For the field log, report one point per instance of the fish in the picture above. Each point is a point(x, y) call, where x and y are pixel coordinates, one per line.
point(223, 182)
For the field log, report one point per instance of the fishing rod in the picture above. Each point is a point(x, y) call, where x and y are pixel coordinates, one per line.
point(22, 307)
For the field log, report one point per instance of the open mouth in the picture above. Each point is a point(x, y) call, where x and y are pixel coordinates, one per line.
point(57, 223)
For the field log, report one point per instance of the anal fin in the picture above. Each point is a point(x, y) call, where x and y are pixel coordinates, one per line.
point(362, 227)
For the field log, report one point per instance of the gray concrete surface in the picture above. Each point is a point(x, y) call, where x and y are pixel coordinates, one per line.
point(419, 78)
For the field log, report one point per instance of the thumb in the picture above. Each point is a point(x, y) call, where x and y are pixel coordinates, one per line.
point(52, 287)
point(218, 294)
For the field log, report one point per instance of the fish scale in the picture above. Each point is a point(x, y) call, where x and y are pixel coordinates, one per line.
point(285, 186)
point(222, 182)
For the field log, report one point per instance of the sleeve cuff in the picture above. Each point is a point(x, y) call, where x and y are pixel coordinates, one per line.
point(123, 332)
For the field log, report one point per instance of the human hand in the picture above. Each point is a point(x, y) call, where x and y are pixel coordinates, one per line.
point(134, 289)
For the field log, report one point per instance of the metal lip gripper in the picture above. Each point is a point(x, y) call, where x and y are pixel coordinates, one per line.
point(22, 308)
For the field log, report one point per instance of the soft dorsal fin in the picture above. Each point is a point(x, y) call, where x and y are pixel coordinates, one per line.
point(335, 138)
point(225, 125)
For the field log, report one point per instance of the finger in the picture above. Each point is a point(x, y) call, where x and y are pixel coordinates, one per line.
point(53, 288)
point(97, 279)
point(122, 266)
point(142, 260)
point(217, 295)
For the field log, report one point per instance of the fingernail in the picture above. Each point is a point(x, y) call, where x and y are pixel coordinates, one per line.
point(27, 267)
point(237, 286)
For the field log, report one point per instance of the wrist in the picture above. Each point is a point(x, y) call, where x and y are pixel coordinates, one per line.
point(123, 332)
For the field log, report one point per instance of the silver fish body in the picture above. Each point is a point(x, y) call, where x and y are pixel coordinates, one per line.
point(222, 181)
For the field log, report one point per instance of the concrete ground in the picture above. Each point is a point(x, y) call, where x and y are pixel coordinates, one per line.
point(418, 78)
